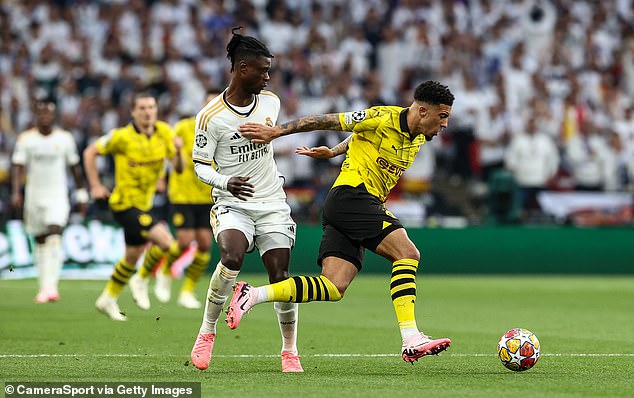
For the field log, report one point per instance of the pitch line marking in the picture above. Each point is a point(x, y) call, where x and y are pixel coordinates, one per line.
point(275, 356)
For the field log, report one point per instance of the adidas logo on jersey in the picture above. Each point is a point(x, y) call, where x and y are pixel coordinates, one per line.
point(236, 136)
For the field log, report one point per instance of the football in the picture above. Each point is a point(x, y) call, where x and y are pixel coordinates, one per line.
point(519, 349)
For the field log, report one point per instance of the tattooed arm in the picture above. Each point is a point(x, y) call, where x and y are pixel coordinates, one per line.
point(261, 134)
point(309, 123)
point(323, 152)
point(341, 147)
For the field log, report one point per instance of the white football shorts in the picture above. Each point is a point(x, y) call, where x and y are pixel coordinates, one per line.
point(40, 213)
point(266, 225)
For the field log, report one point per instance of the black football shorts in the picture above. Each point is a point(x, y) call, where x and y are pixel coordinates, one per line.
point(189, 216)
point(353, 220)
point(136, 223)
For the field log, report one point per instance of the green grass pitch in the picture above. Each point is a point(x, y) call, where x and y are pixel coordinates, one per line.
point(349, 349)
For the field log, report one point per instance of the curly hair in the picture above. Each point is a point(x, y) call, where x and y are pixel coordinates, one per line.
point(434, 93)
point(241, 47)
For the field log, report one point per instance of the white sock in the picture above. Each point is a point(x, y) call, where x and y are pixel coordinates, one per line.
point(40, 258)
point(287, 318)
point(261, 294)
point(55, 260)
point(406, 332)
point(220, 285)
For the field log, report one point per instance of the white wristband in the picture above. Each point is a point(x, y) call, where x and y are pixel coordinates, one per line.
point(81, 195)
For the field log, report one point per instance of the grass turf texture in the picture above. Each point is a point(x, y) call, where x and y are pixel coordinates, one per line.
point(348, 349)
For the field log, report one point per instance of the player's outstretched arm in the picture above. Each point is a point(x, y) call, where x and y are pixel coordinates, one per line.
point(323, 152)
point(261, 134)
point(317, 152)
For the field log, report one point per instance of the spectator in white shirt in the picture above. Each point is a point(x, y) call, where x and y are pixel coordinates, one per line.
point(533, 159)
point(587, 155)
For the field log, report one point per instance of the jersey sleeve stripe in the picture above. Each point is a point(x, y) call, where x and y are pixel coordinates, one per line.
point(208, 114)
point(204, 117)
point(202, 161)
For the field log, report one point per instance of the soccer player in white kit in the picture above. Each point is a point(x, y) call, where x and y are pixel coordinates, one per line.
point(45, 152)
point(250, 209)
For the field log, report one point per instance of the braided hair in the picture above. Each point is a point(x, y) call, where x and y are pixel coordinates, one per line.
point(241, 47)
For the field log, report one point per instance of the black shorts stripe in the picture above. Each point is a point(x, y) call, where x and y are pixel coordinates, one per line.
point(299, 289)
point(405, 292)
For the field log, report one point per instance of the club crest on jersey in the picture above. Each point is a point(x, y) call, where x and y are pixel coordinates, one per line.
point(145, 220)
point(354, 117)
point(268, 122)
point(201, 141)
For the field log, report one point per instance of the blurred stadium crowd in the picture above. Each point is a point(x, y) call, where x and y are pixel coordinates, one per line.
point(544, 88)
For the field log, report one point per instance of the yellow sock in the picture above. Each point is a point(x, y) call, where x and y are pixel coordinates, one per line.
point(302, 289)
point(153, 255)
point(403, 292)
point(195, 270)
point(119, 278)
point(172, 254)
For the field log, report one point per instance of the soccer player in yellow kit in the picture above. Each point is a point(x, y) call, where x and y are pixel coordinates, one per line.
point(384, 142)
point(140, 151)
point(191, 203)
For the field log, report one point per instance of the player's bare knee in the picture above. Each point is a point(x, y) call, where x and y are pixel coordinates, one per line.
point(233, 261)
point(407, 251)
point(413, 253)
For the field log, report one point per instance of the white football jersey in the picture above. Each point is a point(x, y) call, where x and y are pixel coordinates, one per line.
point(46, 159)
point(217, 139)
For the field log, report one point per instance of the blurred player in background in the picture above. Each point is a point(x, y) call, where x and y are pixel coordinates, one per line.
point(383, 145)
point(140, 151)
point(191, 203)
point(45, 152)
point(250, 209)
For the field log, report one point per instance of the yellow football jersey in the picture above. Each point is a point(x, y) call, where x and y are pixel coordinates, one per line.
point(139, 160)
point(185, 187)
point(380, 149)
